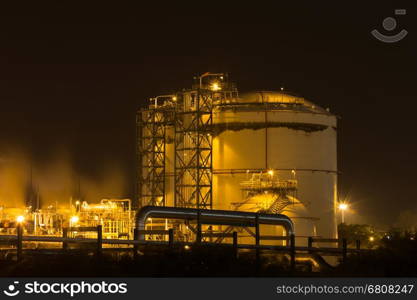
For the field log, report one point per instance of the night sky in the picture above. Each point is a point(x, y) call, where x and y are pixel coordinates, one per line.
point(72, 78)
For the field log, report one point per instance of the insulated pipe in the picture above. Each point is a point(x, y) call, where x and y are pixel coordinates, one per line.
point(218, 217)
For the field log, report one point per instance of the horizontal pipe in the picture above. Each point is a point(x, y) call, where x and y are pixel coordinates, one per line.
point(218, 217)
point(321, 240)
point(58, 239)
point(251, 171)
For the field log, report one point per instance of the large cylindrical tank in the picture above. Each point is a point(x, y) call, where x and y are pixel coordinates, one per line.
point(275, 133)
point(288, 136)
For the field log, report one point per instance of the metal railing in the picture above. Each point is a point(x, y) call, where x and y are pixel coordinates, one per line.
point(263, 184)
point(289, 247)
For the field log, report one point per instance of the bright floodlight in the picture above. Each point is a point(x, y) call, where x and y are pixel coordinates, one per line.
point(74, 219)
point(20, 219)
point(271, 172)
point(343, 206)
point(215, 86)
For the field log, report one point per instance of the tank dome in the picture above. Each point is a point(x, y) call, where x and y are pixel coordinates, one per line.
point(280, 97)
point(271, 97)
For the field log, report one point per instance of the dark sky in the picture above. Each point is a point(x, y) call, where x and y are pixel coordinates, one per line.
point(72, 77)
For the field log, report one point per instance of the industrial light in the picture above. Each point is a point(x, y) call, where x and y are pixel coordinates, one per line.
point(343, 206)
point(174, 98)
point(77, 202)
point(371, 238)
point(186, 247)
point(215, 86)
point(271, 172)
point(74, 219)
point(20, 219)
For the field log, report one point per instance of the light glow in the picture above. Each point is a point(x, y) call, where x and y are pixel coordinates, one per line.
point(215, 86)
point(20, 219)
point(343, 206)
point(74, 219)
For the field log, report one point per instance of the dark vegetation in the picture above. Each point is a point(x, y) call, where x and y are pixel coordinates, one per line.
point(393, 255)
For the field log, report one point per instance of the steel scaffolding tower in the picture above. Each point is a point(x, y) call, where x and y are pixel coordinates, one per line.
point(151, 124)
point(193, 150)
point(187, 117)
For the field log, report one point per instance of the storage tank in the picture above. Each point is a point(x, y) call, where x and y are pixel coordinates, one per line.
point(269, 151)
point(287, 138)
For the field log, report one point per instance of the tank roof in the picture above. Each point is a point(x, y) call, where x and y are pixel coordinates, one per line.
point(285, 98)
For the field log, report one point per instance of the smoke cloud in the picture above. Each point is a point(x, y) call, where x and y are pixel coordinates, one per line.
point(54, 180)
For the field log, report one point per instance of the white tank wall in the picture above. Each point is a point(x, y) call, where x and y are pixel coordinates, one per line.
point(311, 154)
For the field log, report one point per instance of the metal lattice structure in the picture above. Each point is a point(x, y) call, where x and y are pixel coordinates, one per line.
point(186, 118)
point(151, 126)
point(193, 150)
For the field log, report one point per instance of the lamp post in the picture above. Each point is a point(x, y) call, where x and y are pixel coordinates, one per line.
point(342, 208)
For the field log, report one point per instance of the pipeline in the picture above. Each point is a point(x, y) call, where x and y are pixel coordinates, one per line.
point(212, 217)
